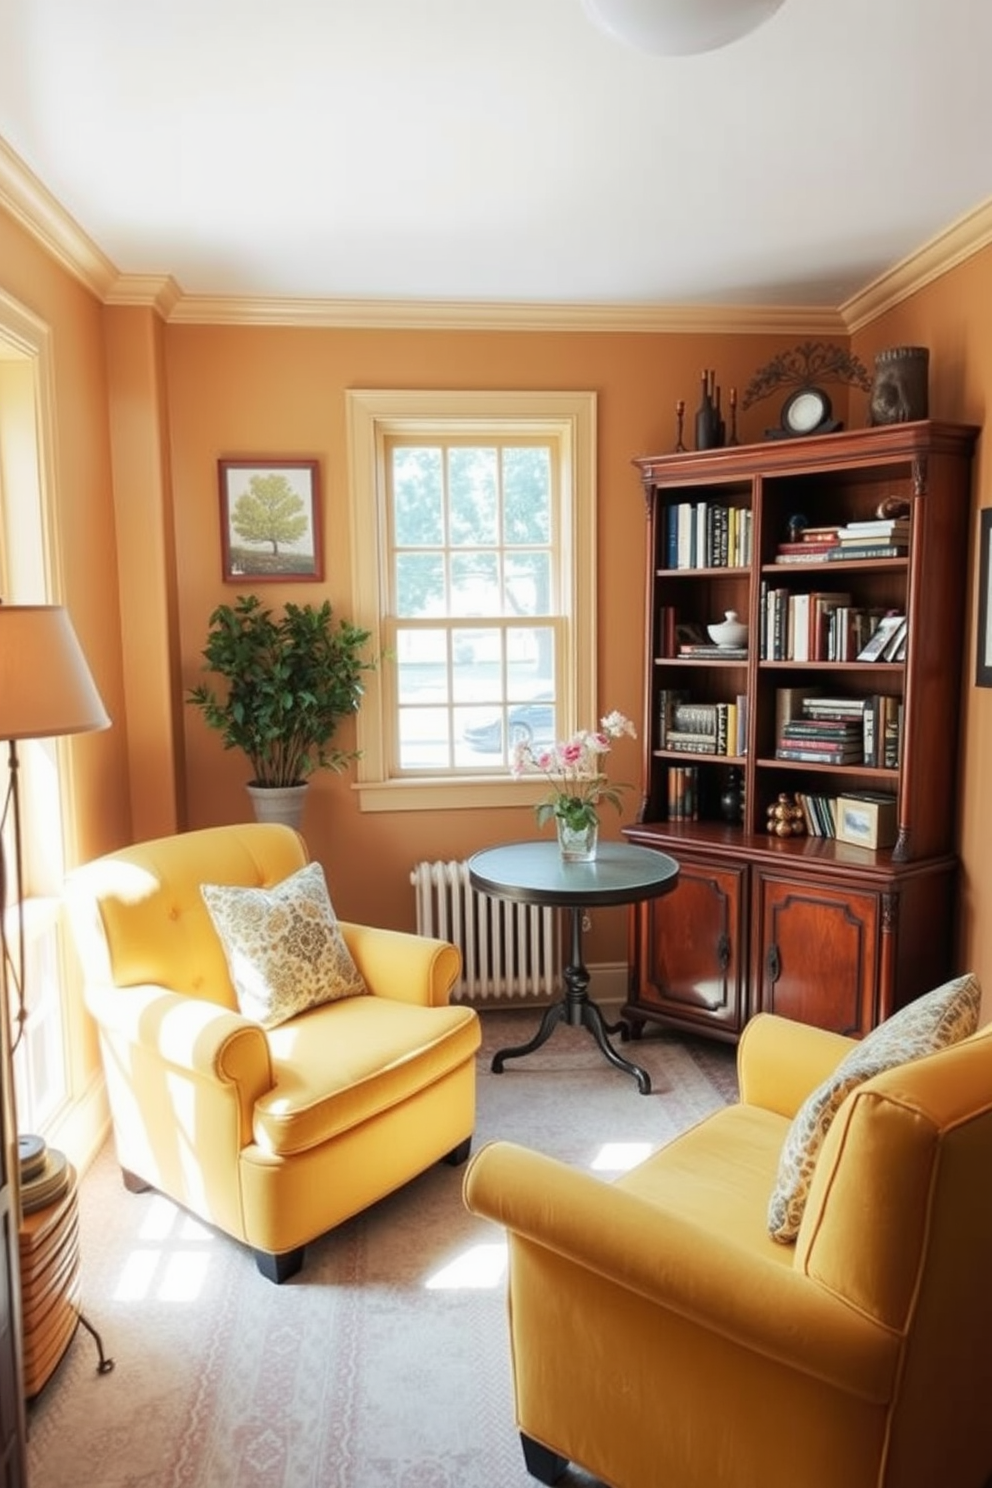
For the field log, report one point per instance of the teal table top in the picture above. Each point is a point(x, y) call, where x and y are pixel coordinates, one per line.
point(533, 873)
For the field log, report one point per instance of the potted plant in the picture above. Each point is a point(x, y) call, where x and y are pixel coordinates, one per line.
point(289, 680)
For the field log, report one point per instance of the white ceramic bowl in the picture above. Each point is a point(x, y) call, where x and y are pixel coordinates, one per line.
point(729, 632)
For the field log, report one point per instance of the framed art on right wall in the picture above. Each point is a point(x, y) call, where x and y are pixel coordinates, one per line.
point(983, 641)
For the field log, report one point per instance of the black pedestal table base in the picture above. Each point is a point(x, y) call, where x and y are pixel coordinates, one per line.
point(578, 1010)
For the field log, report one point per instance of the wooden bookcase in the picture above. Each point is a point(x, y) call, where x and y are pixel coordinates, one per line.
point(808, 926)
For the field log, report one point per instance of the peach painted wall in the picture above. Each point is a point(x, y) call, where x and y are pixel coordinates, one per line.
point(953, 317)
point(85, 518)
point(250, 391)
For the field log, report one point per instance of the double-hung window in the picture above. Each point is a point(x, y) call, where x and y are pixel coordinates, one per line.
point(474, 541)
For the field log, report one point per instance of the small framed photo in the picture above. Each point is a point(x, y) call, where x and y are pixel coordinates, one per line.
point(270, 520)
point(983, 647)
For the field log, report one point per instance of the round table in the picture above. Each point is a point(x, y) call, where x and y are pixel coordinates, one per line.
point(534, 873)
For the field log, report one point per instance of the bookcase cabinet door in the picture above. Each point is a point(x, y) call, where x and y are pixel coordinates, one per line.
point(816, 952)
point(690, 953)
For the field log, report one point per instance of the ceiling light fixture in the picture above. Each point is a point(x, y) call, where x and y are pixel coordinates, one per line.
point(679, 28)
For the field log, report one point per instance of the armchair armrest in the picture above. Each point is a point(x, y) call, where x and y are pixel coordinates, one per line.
point(680, 1268)
point(402, 966)
point(780, 1062)
point(196, 1037)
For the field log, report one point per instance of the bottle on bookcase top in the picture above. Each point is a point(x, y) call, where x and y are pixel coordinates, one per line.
point(706, 416)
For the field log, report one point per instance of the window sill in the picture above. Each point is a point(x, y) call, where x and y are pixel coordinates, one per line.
point(435, 794)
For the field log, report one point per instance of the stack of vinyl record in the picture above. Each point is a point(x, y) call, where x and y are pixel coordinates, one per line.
point(44, 1173)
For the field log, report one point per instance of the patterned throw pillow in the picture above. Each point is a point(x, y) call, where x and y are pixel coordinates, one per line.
point(284, 947)
point(930, 1023)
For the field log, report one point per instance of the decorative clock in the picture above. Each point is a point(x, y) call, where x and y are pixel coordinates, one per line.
point(807, 408)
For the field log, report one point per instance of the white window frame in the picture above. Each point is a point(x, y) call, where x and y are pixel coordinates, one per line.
point(32, 574)
point(569, 419)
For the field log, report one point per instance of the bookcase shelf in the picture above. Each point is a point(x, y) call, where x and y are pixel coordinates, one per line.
point(811, 926)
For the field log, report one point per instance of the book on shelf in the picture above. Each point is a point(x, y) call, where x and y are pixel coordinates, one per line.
point(808, 547)
point(847, 551)
point(822, 728)
point(741, 715)
point(889, 627)
point(833, 707)
point(706, 534)
point(806, 754)
point(820, 813)
point(688, 743)
point(715, 653)
point(826, 533)
point(699, 718)
point(683, 793)
point(669, 699)
point(877, 527)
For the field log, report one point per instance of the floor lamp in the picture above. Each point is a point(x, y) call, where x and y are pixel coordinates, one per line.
point(46, 691)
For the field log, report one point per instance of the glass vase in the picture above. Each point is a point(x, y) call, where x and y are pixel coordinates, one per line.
point(577, 844)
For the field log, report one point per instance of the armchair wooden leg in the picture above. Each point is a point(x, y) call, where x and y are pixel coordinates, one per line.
point(543, 1464)
point(279, 1268)
point(133, 1183)
point(459, 1154)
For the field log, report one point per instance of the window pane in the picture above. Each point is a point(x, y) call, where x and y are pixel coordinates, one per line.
point(530, 669)
point(529, 584)
point(422, 666)
point(477, 669)
point(424, 742)
point(472, 478)
point(418, 497)
point(420, 584)
point(475, 584)
point(527, 495)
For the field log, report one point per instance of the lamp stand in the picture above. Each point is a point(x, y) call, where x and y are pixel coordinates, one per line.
point(13, 974)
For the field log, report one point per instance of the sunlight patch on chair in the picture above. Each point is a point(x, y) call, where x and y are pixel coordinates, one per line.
point(620, 1157)
point(476, 1269)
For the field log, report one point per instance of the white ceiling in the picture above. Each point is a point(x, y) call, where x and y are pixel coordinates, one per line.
point(500, 150)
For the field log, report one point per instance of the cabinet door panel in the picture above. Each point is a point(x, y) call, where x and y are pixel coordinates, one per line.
point(816, 953)
point(693, 958)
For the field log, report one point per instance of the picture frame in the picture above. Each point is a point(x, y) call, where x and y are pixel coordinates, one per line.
point(983, 637)
point(270, 520)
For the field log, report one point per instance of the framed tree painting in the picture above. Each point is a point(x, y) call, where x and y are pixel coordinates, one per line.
point(270, 520)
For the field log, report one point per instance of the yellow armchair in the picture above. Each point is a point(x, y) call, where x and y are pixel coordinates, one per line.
point(274, 1135)
point(660, 1336)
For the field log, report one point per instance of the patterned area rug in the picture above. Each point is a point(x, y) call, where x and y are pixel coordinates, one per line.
point(385, 1362)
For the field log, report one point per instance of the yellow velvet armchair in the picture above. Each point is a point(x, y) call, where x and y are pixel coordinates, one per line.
point(660, 1336)
point(274, 1135)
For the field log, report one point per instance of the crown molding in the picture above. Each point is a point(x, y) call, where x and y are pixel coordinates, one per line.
point(442, 315)
point(31, 204)
point(958, 242)
point(158, 292)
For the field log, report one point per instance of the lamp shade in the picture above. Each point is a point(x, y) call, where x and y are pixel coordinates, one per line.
point(46, 689)
point(677, 28)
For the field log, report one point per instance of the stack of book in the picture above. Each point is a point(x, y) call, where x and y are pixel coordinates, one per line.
point(882, 537)
point(822, 741)
point(814, 729)
point(879, 537)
